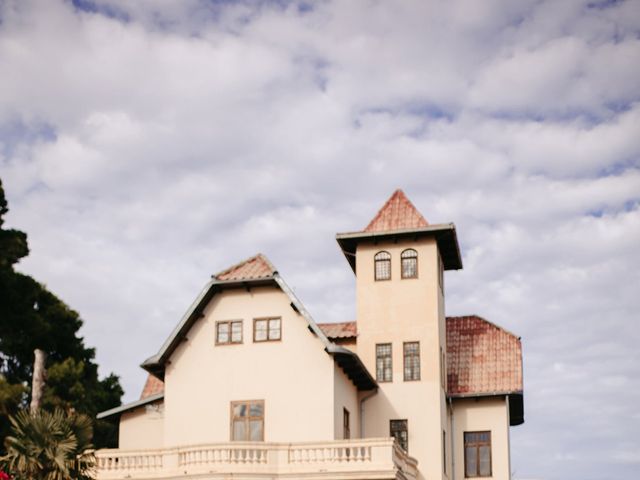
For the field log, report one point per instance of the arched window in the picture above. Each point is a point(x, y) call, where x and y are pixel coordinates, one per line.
point(409, 259)
point(382, 262)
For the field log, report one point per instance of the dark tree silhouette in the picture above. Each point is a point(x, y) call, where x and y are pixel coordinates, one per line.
point(32, 317)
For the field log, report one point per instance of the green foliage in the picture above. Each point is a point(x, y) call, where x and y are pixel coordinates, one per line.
point(13, 243)
point(49, 446)
point(12, 396)
point(32, 317)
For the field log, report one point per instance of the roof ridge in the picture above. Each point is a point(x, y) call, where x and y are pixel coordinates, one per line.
point(237, 266)
point(400, 213)
point(479, 317)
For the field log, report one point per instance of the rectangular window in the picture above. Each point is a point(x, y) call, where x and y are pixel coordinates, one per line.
point(409, 263)
point(443, 369)
point(477, 454)
point(399, 431)
point(228, 332)
point(382, 261)
point(441, 273)
point(267, 329)
point(444, 452)
point(411, 361)
point(383, 362)
point(346, 427)
point(247, 421)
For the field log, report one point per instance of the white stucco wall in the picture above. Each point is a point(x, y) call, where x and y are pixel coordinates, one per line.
point(345, 395)
point(397, 311)
point(294, 376)
point(142, 428)
point(473, 415)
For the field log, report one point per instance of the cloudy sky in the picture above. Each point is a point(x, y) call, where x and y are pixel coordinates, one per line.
point(146, 145)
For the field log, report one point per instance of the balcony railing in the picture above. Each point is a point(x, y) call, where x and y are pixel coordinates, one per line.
point(348, 459)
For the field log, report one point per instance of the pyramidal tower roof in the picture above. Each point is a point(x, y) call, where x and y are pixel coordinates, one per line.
point(252, 268)
point(400, 220)
point(398, 213)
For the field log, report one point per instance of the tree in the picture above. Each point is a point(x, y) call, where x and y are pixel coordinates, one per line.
point(33, 317)
point(50, 446)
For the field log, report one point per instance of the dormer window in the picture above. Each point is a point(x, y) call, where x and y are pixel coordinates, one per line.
point(409, 261)
point(382, 261)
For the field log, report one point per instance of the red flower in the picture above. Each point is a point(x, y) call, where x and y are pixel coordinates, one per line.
point(4, 476)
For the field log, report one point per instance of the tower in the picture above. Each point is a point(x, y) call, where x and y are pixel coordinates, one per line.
point(399, 260)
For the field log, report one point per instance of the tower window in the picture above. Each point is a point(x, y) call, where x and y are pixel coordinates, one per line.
point(409, 260)
point(382, 262)
point(400, 431)
point(383, 362)
point(411, 361)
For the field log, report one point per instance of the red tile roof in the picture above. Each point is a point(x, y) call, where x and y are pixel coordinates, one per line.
point(152, 386)
point(398, 213)
point(339, 330)
point(252, 268)
point(482, 358)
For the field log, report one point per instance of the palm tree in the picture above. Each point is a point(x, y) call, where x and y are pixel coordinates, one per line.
point(50, 446)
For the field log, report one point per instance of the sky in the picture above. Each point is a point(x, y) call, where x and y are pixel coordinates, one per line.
point(147, 145)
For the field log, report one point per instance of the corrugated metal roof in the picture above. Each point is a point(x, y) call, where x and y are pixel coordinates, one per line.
point(398, 213)
point(152, 386)
point(482, 358)
point(339, 330)
point(252, 268)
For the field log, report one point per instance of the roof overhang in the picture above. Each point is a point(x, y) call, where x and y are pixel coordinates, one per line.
point(352, 367)
point(444, 234)
point(515, 400)
point(155, 364)
point(346, 359)
point(130, 406)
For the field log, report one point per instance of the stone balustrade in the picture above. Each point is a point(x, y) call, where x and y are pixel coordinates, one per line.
point(341, 459)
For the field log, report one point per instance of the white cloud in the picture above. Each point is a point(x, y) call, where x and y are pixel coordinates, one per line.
point(143, 155)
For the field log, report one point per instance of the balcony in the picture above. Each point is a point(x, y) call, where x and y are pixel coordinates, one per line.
point(363, 459)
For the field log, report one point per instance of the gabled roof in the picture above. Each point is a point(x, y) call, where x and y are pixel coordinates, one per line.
point(398, 219)
point(398, 213)
point(252, 268)
point(255, 271)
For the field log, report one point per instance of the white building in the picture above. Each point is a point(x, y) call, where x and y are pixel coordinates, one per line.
point(248, 386)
